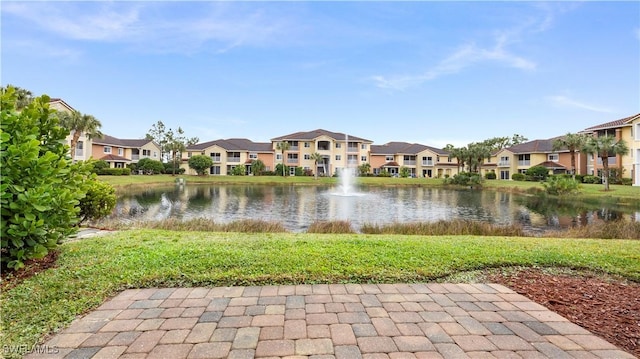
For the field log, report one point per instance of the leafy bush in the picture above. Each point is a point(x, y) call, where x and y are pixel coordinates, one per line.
point(490, 175)
point(258, 167)
point(538, 173)
point(464, 179)
point(99, 165)
point(150, 166)
point(404, 172)
point(626, 181)
point(238, 171)
point(173, 167)
point(41, 187)
point(384, 173)
point(518, 177)
point(300, 171)
point(114, 172)
point(557, 185)
point(200, 163)
point(99, 201)
point(279, 170)
point(591, 179)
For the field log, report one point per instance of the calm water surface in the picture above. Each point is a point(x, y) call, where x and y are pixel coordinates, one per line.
point(296, 207)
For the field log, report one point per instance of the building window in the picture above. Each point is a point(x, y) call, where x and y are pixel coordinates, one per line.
point(307, 145)
point(215, 156)
point(189, 154)
point(554, 157)
point(389, 158)
point(338, 145)
point(155, 154)
point(307, 157)
point(120, 151)
point(363, 146)
point(148, 153)
point(107, 149)
point(338, 157)
point(279, 156)
point(363, 158)
point(214, 170)
point(637, 132)
point(253, 156)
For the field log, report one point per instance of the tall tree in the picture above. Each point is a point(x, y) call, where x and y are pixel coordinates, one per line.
point(316, 157)
point(604, 147)
point(158, 134)
point(283, 147)
point(456, 152)
point(573, 142)
point(176, 143)
point(78, 123)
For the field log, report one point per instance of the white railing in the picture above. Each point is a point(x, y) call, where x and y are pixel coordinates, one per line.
point(427, 163)
point(524, 163)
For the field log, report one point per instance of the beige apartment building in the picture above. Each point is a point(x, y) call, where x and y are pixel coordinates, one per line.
point(83, 147)
point(422, 161)
point(230, 153)
point(628, 130)
point(338, 151)
point(119, 153)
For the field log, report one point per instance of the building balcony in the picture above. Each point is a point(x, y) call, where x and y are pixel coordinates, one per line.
point(524, 163)
point(409, 163)
point(135, 157)
point(504, 164)
point(233, 159)
point(427, 163)
point(292, 161)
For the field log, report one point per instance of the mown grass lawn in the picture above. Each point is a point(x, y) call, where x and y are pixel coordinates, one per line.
point(90, 271)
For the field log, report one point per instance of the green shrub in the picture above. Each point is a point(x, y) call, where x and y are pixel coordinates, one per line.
point(518, 177)
point(99, 201)
point(591, 179)
point(172, 168)
point(464, 179)
point(41, 187)
point(538, 173)
point(99, 165)
point(200, 163)
point(384, 173)
point(150, 166)
point(560, 186)
point(238, 171)
point(578, 178)
point(626, 181)
point(280, 172)
point(490, 175)
point(404, 172)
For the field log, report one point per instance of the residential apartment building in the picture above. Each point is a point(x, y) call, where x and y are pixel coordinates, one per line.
point(121, 152)
point(338, 151)
point(421, 160)
point(627, 129)
point(521, 157)
point(83, 147)
point(230, 153)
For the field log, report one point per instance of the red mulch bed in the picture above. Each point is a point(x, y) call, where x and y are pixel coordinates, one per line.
point(607, 308)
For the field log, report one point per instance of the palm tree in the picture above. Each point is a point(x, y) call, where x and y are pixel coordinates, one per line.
point(573, 142)
point(78, 123)
point(283, 147)
point(457, 153)
point(316, 157)
point(603, 147)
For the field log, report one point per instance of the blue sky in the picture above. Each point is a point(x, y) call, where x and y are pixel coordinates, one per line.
point(426, 72)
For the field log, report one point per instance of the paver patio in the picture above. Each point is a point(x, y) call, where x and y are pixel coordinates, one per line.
point(326, 321)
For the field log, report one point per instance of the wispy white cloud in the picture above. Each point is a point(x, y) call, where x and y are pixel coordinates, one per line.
point(564, 101)
point(501, 51)
point(156, 27)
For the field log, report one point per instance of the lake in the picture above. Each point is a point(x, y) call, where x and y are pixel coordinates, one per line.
point(296, 207)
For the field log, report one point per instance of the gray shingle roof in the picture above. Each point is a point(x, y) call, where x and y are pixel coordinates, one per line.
point(113, 141)
point(310, 135)
point(392, 148)
point(234, 144)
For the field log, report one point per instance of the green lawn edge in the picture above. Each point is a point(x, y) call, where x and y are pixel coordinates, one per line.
point(90, 271)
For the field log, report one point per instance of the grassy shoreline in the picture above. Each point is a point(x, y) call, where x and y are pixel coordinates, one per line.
point(624, 195)
point(90, 271)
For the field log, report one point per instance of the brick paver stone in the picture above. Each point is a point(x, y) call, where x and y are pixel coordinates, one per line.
point(347, 352)
point(174, 351)
point(377, 345)
point(385, 327)
point(474, 343)
point(295, 329)
point(246, 338)
point(210, 350)
point(413, 343)
point(271, 348)
point(342, 334)
point(145, 342)
point(201, 333)
point(313, 346)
